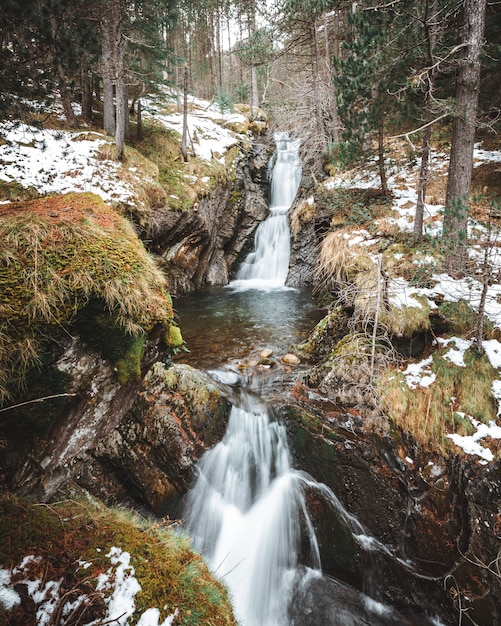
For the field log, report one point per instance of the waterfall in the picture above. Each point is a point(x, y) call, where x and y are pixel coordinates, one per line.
point(267, 266)
point(247, 514)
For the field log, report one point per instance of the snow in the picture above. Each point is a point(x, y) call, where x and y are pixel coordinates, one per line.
point(55, 161)
point(470, 443)
point(59, 162)
point(419, 374)
point(118, 584)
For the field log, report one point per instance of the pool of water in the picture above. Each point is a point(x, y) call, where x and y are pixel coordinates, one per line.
point(222, 324)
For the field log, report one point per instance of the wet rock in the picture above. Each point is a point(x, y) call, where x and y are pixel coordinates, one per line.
point(152, 454)
point(265, 354)
point(200, 247)
point(290, 359)
point(324, 600)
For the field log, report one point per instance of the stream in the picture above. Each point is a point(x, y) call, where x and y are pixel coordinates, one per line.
point(247, 511)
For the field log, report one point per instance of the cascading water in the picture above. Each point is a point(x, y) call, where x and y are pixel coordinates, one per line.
point(246, 512)
point(267, 266)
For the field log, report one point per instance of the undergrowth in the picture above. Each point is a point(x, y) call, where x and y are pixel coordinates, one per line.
point(430, 413)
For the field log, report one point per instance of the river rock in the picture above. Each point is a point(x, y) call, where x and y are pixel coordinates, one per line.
point(266, 353)
point(290, 359)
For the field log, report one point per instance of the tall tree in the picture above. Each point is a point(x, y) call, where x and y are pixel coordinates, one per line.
point(371, 74)
point(463, 136)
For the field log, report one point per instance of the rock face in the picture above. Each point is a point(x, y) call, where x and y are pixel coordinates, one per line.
point(200, 246)
point(137, 442)
point(429, 537)
point(308, 227)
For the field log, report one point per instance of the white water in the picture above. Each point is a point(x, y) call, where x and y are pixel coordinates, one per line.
point(267, 266)
point(246, 513)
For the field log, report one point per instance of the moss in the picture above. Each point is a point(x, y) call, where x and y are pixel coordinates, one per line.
point(172, 576)
point(458, 318)
point(59, 254)
point(173, 336)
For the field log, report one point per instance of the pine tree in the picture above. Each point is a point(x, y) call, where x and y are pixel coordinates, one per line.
point(463, 136)
point(370, 77)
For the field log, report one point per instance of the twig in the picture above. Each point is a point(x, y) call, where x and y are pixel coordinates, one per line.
point(57, 395)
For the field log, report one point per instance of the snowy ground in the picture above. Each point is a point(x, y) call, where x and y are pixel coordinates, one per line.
point(402, 183)
point(54, 161)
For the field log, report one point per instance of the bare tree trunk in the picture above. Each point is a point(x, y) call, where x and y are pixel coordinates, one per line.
point(108, 72)
point(463, 136)
point(86, 94)
point(121, 98)
point(431, 27)
point(139, 127)
point(68, 109)
point(184, 151)
point(336, 124)
point(382, 169)
point(422, 184)
point(315, 79)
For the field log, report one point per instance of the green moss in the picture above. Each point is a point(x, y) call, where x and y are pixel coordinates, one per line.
point(458, 318)
point(173, 336)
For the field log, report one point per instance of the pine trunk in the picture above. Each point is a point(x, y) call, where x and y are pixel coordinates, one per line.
point(431, 28)
point(86, 94)
point(463, 136)
point(121, 98)
point(184, 137)
point(422, 184)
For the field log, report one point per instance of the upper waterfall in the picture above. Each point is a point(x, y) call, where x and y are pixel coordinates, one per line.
point(267, 265)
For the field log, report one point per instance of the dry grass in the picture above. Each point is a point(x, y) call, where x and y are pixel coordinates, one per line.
point(353, 276)
point(430, 413)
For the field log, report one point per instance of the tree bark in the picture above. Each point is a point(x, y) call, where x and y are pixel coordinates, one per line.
point(184, 137)
point(121, 98)
point(108, 72)
point(315, 79)
point(382, 169)
point(86, 94)
point(431, 27)
point(463, 136)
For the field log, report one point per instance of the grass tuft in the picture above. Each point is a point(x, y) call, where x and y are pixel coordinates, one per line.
point(171, 575)
point(430, 413)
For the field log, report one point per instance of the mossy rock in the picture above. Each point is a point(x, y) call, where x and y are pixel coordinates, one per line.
point(60, 253)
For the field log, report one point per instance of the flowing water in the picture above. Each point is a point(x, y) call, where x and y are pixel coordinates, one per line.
point(247, 511)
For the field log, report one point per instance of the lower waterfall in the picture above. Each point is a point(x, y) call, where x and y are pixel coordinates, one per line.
point(247, 514)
